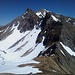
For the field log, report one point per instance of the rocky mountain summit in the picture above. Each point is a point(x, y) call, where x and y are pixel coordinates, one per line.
point(38, 43)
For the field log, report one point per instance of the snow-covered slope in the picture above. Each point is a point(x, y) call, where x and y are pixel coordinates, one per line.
point(24, 50)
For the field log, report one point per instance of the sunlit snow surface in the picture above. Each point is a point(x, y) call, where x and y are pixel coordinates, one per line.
point(54, 18)
point(68, 49)
point(22, 52)
point(15, 36)
point(40, 14)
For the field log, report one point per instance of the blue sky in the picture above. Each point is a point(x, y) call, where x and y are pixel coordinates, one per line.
point(10, 9)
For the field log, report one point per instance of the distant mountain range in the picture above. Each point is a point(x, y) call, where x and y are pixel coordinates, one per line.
point(38, 43)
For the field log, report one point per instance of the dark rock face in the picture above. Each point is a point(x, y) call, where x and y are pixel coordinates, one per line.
point(55, 32)
point(51, 30)
point(30, 19)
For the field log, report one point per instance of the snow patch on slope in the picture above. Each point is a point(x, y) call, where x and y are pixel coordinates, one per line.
point(62, 52)
point(68, 19)
point(54, 18)
point(68, 49)
point(42, 13)
point(39, 14)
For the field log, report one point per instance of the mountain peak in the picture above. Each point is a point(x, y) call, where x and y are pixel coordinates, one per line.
point(44, 10)
point(29, 10)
